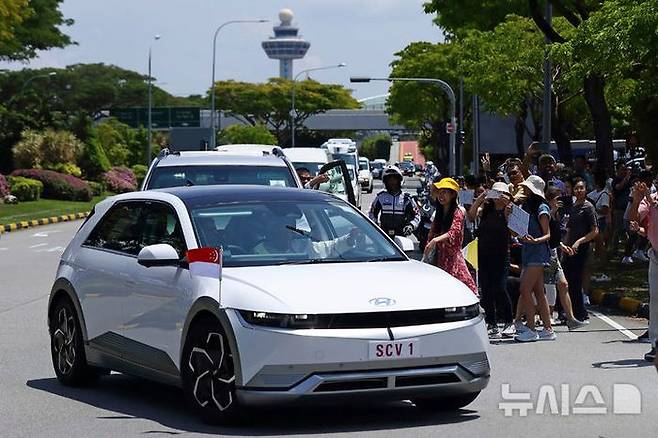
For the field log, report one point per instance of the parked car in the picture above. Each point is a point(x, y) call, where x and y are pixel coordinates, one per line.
point(365, 175)
point(286, 312)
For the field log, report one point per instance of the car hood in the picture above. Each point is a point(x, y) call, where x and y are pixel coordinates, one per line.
point(342, 288)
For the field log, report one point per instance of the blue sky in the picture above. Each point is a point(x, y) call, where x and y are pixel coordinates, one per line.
point(362, 33)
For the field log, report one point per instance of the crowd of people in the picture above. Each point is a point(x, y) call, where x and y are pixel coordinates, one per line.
point(577, 214)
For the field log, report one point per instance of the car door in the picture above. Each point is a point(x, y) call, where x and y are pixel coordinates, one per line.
point(339, 183)
point(156, 305)
point(101, 274)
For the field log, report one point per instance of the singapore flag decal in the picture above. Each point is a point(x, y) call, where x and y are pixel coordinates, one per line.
point(205, 262)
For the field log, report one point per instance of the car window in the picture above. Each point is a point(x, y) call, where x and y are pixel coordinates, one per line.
point(119, 230)
point(287, 232)
point(312, 167)
point(177, 176)
point(160, 225)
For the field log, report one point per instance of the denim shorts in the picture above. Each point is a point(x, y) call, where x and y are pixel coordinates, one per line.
point(537, 254)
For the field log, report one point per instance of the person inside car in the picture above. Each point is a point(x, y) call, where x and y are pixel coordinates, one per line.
point(394, 211)
point(309, 181)
point(282, 234)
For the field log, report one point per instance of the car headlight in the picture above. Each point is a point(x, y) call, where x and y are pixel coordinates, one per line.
point(280, 320)
point(462, 313)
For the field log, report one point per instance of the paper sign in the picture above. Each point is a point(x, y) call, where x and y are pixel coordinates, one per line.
point(518, 221)
point(466, 197)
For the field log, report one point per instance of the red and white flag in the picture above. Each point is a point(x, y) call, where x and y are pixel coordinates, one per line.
point(205, 262)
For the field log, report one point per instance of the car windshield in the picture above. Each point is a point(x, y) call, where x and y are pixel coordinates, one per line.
point(312, 167)
point(287, 232)
point(176, 176)
point(377, 165)
point(347, 158)
point(363, 165)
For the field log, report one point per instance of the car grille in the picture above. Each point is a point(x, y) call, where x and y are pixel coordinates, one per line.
point(388, 319)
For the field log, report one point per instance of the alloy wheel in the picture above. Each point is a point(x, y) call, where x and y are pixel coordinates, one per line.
point(64, 341)
point(211, 366)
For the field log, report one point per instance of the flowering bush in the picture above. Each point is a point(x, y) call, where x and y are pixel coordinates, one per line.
point(67, 168)
point(4, 187)
point(58, 185)
point(120, 180)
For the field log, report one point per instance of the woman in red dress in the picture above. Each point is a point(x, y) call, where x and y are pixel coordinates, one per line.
point(447, 233)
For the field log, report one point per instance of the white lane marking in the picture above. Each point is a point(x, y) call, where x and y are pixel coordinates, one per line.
point(45, 234)
point(4, 249)
point(629, 334)
point(55, 248)
point(38, 245)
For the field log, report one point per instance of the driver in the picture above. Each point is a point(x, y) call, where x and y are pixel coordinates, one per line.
point(394, 211)
point(282, 235)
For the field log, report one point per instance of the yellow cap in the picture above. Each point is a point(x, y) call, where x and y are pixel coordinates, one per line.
point(447, 183)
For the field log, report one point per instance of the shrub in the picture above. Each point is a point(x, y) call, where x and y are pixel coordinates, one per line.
point(67, 168)
point(94, 161)
point(140, 172)
point(46, 149)
point(120, 180)
point(58, 185)
point(4, 187)
point(25, 189)
point(97, 188)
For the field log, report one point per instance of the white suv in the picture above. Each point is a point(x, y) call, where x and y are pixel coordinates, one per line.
point(310, 302)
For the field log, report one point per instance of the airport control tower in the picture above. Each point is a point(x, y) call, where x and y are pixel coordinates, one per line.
point(286, 45)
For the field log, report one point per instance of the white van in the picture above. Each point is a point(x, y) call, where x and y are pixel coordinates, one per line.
point(308, 158)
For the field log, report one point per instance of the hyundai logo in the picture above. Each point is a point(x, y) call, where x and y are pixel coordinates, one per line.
point(382, 301)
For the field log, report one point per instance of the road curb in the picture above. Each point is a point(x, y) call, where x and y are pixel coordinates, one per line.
point(627, 305)
point(6, 228)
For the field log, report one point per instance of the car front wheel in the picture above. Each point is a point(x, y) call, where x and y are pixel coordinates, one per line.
point(449, 403)
point(208, 373)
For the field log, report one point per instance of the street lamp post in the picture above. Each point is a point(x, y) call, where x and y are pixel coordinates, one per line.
point(451, 96)
point(213, 129)
point(25, 84)
point(293, 115)
point(150, 104)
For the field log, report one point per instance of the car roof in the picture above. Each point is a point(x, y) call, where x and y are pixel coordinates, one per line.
point(246, 149)
point(243, 193)
point(219, 158)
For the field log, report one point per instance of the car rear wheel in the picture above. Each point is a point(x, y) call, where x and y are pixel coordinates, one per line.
point(66, 347)
point(208, 373)
point(448, 403)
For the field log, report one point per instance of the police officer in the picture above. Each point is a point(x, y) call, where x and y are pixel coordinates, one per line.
point(394, 211)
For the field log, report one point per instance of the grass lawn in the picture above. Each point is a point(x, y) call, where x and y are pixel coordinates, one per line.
point(629, 281)
point(25, 211)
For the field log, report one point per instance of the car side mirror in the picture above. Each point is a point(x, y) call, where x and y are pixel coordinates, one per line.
point(161, 254)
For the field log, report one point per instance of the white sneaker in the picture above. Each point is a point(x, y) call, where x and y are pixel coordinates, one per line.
point(520, 327)
point(640, 255)
point(546, 335)
point(527, 336)
point(627, 261)
point(508, 331)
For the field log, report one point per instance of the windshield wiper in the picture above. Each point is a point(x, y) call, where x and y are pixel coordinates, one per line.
point(387, 259)
point(297, 230)
point(300, 262)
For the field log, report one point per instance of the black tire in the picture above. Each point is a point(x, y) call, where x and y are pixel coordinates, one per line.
point(66, 346)
point(208, 373)
point(448, 403)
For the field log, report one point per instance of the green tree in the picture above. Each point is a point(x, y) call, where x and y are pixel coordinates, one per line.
point(421, 106)
point(504, 67)
point(456, 18)
point(376, 146)
point(270, 103)
point(242, 134)
point(29, 28)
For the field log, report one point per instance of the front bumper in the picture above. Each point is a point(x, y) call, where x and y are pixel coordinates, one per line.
point(278, 366)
